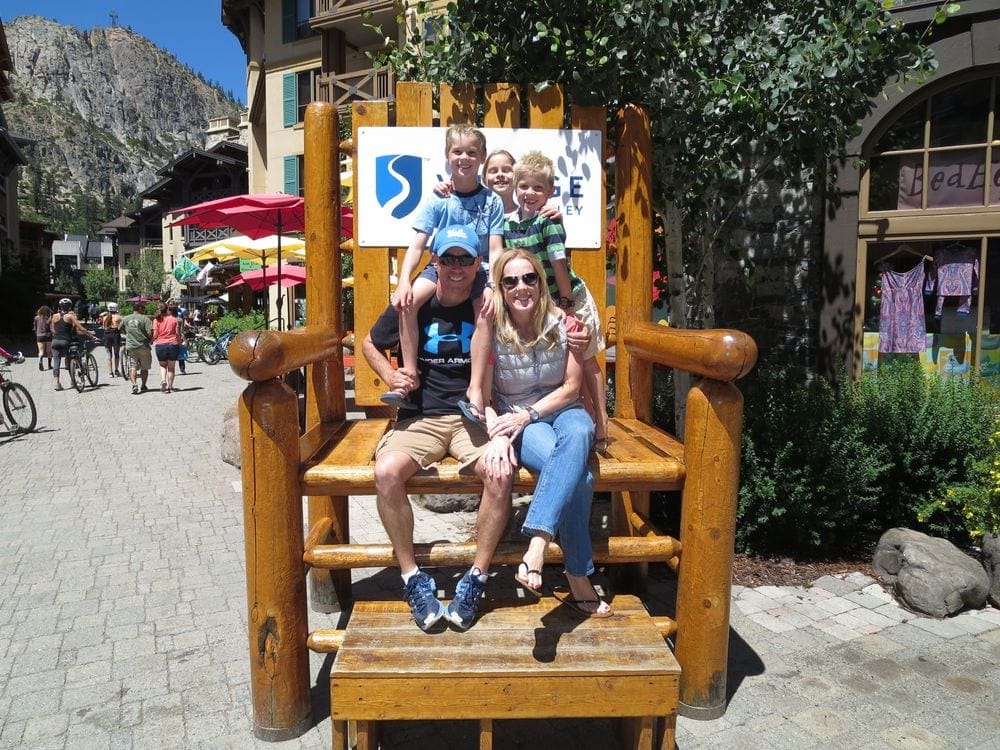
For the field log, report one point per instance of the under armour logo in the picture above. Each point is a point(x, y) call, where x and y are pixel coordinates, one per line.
point(398, 183)
point(434, 339)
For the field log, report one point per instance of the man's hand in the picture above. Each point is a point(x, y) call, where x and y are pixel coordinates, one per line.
point(404, 379)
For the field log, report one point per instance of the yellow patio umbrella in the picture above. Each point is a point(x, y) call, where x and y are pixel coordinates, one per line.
point(263, 250)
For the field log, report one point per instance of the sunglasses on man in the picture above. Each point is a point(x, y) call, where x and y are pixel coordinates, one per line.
point(511, 282)
point(464, 260)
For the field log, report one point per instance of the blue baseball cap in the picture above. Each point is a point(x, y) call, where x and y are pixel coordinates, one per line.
point(456, 235)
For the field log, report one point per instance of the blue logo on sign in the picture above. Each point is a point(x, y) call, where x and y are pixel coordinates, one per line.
point(435, 339)
point(397, 183)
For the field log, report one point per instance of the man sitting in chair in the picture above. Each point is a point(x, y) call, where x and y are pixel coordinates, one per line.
point(436, 429)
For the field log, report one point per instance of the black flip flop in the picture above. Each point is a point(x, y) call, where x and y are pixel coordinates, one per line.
point(471, 412)
point(394, 399)
point(523, 580)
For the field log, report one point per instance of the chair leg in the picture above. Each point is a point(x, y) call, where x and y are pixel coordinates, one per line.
point(486, 734)
point(668, 725)
point(340, 735)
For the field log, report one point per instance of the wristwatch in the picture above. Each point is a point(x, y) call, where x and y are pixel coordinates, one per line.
point(532, 414)
point(566, 302)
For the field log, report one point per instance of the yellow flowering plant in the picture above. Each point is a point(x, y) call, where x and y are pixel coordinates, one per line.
point(967, 510)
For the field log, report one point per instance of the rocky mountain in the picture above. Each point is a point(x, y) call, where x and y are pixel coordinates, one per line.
point(105, 108)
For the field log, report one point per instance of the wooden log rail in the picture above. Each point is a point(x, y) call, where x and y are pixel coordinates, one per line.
point(280, 466)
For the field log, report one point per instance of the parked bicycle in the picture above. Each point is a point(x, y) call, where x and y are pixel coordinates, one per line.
point(18, 407)
point(219, 349)
point(82, 365)
point(197, 341)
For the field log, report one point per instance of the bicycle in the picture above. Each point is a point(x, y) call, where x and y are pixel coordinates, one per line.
point(82, 365)
point(199, 341)
point(129, 363)
point(219, 348)
point(18, 406)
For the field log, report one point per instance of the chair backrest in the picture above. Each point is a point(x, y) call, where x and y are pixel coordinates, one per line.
point(502, 108)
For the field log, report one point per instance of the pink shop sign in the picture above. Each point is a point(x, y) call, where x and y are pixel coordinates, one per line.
point(956, 179)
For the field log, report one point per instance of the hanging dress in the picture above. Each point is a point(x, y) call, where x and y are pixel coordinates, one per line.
point(901, 324)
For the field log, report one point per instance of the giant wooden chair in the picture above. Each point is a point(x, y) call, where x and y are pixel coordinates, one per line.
point(333, 459)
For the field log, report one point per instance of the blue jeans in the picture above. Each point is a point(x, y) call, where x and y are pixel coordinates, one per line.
point(557, 448)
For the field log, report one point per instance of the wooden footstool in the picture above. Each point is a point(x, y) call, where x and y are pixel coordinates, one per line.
point(521, 660)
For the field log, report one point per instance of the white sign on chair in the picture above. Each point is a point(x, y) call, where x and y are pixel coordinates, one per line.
point(397, 169)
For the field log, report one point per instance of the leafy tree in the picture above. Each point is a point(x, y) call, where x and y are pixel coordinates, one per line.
point(99, 284)
point(65, 283)
point(732, 87)
point(145, 273)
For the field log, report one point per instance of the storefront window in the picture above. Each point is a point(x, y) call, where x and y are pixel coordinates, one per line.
point(929, 234)
point(960, 115)
point(933, 132)
point(989, 356)
point(922, 302)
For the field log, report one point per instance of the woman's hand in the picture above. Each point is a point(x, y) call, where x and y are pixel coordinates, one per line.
point(510, 425)
point(499, 458)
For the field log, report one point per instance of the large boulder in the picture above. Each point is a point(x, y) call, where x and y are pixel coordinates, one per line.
point(447, 503)
point(928, 574)
point(230, 437)
point(991, 561)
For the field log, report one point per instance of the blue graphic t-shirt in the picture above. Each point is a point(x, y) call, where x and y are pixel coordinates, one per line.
point(444, 356)
point(481, 211)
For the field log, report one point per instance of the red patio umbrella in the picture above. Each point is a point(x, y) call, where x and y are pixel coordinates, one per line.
point(254, 215)
point(260, 278)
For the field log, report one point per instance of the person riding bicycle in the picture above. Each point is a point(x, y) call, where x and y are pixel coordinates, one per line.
point(111, 323)
point(11, 359)
point(65, 327)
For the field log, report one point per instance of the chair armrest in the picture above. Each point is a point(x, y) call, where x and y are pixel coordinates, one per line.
point(716, 353)
point(262, 355)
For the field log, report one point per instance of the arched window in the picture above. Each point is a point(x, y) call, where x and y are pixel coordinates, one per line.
point(929, 231)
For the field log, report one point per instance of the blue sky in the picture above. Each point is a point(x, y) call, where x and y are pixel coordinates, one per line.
point(190, 29)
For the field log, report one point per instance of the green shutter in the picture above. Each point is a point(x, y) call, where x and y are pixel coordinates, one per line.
point(289, 32)
point(292, 175)
point(289, 99)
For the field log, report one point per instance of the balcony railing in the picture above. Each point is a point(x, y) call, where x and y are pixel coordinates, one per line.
point(350, 7)
point(359, 85)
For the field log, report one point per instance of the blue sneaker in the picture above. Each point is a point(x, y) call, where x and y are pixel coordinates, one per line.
point(463, 608)
point(419, 594)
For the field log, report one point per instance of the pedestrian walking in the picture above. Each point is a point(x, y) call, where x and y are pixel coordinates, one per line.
point(167, 342)
point(43, 336)
point(138, 330)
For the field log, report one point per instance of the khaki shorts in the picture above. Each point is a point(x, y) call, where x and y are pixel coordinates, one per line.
point(429, 439)
point(143, 357)
point(586, 311)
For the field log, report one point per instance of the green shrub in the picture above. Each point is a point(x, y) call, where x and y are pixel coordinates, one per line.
point(968, 509)
point(809, 477)
point(231, 321)
point(826, 472)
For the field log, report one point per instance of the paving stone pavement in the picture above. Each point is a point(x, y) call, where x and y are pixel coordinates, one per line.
point(123, 609)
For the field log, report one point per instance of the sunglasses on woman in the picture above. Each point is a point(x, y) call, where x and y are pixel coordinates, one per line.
point(457, 260)
point(511, 282)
